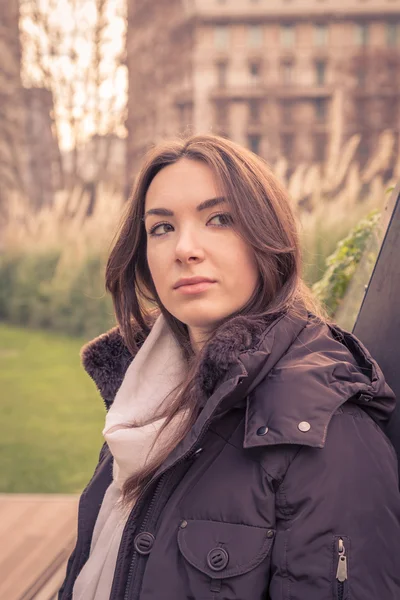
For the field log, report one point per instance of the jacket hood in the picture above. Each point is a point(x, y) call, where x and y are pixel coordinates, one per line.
point(296, 369)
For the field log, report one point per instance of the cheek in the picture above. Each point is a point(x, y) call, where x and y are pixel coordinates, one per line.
point(242, 259)
point(241, 269)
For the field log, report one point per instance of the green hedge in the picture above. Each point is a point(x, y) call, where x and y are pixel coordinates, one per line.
point(32, 295)
point(341, 266)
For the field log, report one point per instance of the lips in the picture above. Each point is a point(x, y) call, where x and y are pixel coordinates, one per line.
point(195, 288)
point(192, 281)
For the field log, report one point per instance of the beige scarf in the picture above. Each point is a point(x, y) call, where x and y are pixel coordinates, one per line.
point(155, 371)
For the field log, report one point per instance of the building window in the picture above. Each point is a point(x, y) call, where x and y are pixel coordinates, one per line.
point(287, 145)
point(320, 109)
point(255, 36)
point(362, 34)
point(254, 71)
point(286, 111)
point(184, 117)
point(221, 115)
point(254, 111)
point(392, 71)
point(320, 35)
point(254, 143)
point(392, 34)
point(221, 36)
point(287, 72)
point(320, 72)
point(287, 36)
point(181, 115)
point(361, 76)
point(222, 69)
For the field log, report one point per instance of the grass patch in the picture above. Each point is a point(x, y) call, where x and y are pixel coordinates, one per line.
point(52, 414)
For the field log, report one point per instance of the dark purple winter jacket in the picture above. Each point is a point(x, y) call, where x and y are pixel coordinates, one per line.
point(285, 488)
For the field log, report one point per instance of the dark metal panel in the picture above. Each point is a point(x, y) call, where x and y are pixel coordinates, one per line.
point(378, 321)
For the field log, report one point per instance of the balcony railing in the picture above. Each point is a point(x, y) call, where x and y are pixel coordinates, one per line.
point(251, 91)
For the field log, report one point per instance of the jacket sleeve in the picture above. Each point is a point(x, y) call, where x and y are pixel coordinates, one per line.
point(338, 517)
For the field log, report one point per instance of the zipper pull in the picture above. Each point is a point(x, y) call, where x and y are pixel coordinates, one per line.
point(341, 573)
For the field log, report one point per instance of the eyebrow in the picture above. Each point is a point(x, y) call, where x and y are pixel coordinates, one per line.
point(166, 212)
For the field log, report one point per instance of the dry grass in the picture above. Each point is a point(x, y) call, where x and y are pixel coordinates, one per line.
point(64, 226)
point(329, 199)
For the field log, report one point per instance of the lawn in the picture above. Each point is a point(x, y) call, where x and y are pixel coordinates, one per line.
point(52, 414)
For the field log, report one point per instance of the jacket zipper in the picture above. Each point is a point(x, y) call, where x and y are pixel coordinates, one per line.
point(143, 528)
point(131, 575)
point(135, 510)
point(341, 573)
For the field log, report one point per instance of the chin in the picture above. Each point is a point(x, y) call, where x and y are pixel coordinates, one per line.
point(201, 319)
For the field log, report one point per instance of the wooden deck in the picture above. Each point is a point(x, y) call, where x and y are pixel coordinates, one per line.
point(37, 535)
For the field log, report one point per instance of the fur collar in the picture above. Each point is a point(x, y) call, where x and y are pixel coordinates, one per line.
point(107, 358)
point(292, 356)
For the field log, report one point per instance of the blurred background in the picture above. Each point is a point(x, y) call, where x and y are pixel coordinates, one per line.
point(86, 88)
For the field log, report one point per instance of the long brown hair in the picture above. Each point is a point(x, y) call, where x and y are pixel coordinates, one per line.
point(262, 215)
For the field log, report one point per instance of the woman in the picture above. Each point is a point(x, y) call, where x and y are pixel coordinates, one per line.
point(244, 454)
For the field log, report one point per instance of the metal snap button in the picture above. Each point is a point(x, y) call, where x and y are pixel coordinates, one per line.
point(217, 559)
point(144, 542)
point(183, 524)
point(304, 426)
point(270, 533)
point(262, 430)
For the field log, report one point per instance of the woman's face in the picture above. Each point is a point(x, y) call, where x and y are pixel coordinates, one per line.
point(187, 240)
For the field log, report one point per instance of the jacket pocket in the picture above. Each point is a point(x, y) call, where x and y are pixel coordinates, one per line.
point(341, 567)
point(226, 560)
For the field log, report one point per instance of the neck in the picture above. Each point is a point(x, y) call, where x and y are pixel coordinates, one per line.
point(198, 337)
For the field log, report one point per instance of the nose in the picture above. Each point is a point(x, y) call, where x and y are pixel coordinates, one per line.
point(188, 248)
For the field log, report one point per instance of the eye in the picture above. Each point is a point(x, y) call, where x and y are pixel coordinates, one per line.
point(225, 220)
point(153, 229)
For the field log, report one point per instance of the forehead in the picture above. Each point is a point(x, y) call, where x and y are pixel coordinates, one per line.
point(188, 180)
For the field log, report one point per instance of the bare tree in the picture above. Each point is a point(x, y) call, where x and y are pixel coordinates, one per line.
point(12, 159)
point(76, 49)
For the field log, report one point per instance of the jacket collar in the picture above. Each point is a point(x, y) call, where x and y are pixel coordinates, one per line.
point(107, 358)
point(293, 370)
point(323, 368)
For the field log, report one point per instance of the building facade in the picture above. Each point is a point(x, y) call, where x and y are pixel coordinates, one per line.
point(279, 77)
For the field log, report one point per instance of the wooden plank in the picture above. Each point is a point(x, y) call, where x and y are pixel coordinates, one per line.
point(52, 566)
point(37, 535)
point(24, 542)
point(12, 515)
point(49, 590)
